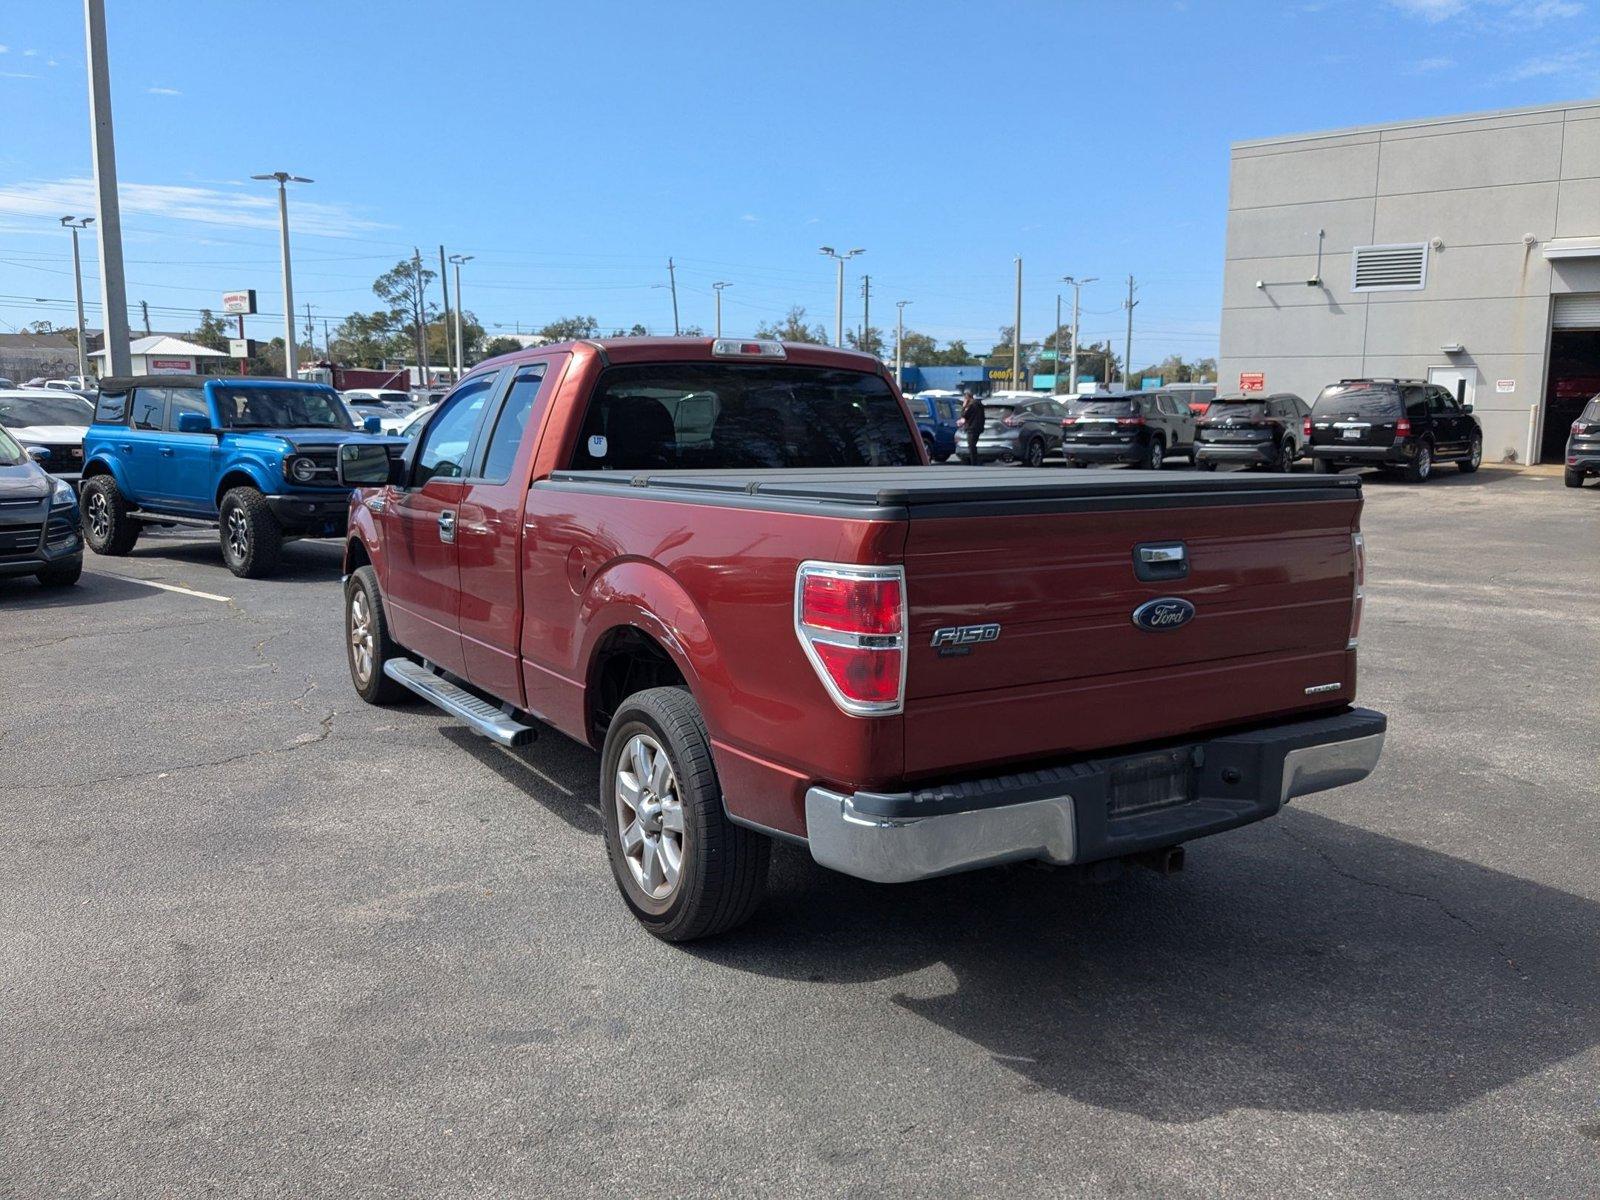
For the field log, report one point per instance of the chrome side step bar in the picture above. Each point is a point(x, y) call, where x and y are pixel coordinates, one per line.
point(481, 716)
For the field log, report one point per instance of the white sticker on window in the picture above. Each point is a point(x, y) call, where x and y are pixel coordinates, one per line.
point(597, 445)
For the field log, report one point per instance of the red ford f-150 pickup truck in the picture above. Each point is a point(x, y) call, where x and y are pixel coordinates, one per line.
point(727, 565)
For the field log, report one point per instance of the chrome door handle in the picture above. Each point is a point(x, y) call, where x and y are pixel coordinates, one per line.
point(447, 526)
point(127, 447)
point(167, 452)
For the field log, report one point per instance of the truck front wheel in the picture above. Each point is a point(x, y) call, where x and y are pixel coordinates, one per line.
point(366, 639)
point(252, 539)
point(684, 869)
point(107, 527)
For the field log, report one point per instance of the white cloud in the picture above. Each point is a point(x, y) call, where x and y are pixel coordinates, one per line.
point(5, 49)
point(176, 202)
point(30, 54)
point(751, 217)
point(163, 91)
point(1537, 12)
point(1432, 11)
point(50, 62)
point(1522, 14)
point(16, 75)
point(1424, 66)
point(1552, 66)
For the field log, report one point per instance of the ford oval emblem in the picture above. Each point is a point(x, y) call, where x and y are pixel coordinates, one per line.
point(1167, 613)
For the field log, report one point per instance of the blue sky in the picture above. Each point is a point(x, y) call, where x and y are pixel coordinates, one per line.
point(572, 149)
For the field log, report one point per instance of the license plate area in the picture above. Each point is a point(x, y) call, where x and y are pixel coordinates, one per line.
point(1350, 435)
point(1151, 782)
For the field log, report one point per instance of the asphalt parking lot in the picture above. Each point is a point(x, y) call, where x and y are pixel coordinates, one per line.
point(257, 937)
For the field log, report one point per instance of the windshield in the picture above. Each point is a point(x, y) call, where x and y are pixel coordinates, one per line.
point(17, 411)
point(1592, 412)
point(240, 406)
point(1357, 400)
point(11, 454)
point(743, 416)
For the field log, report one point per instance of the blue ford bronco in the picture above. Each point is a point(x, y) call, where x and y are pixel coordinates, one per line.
point(253, 458)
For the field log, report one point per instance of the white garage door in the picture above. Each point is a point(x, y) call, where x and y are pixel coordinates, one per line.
point(1578, 312)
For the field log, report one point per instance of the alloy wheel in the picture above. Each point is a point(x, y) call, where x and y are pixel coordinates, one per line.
point(1477, 452)
point(238, 534)
point(362, 647)
point(99, 516)
point(649, 816)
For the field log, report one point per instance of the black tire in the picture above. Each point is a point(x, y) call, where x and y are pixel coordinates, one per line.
point(1572, 478)
point(363, 604)
point(107, 527)
point(1321, 466)
point(927, 445)
point(1205, 464)
point(1078, 463)
point(939, 458)
point(1420, 469)
point(62, 574)
point(1474, 458)
point(1282, 458)
point(252, 539)
point(1155, 453)
point(1033, 455)
point(723, 867)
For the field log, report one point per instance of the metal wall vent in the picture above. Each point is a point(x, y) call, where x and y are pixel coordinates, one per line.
point(1389, 268)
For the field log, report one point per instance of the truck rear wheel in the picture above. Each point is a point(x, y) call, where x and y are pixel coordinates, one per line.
point(684, 869)
point(366, 639)
point(1154, 454)
point(252, 539)
point(107, 527)
point(1420, 469)
point(1572, 477)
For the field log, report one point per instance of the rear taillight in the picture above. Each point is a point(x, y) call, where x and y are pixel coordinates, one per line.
point(851, 621)
point(1130, 420)
point(1011, 422)
point(1067, 421)
point(1402, 428)
point(1579, 427)
point(1305, 429)
point(1358, 547)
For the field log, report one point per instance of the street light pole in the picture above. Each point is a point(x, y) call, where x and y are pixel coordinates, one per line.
point(1077, 288)
point(75, 224)
point(717, 288)
point(449, 350)
point(900, 345)
point(1016, 335)
point(290, 352)
point(838, 308)
point(461, 346)
point(113, 287)
point(672, 282)
point(1055, 379)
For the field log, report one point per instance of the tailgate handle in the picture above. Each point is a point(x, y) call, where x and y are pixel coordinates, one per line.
point(1156, 561)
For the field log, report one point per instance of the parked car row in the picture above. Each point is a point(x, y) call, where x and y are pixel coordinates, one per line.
point(1406, 425)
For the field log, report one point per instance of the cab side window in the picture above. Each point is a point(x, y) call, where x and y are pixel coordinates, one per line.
point(185, 400)
point(447, 441)
point(1416, 402)
point(149, 406)
point(511, 426)
point(111, 409)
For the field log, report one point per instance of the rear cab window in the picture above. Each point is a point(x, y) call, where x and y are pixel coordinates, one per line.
point(714, 415)
point(1361, 401)
point(111, 409)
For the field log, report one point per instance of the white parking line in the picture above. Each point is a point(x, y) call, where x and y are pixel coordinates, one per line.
point(165, 587)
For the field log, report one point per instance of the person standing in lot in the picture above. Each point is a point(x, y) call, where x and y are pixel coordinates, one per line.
point(972, 420)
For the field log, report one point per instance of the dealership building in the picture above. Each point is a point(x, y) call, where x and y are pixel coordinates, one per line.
point(1462, 250)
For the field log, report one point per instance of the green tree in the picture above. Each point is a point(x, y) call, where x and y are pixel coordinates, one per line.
point(871, 341)
point(570, 329)
point(471, 334)
point(212, 333)
point(637, 330)
point(793, 328)
point(501, 345)
point(404, 288)
point(368, 339)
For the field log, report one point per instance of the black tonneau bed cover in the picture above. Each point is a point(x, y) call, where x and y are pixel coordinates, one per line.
point(956, 491)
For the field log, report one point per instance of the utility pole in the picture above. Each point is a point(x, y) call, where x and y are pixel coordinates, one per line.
point(1077, 290)
point(461, 345)
point(284, 179)
point(866, 312)
point(144, 307)
point(113, 286)
point(311, 330)
point(420, 299)
point(75, 224)
point(1016, 335)
point(900, 344)
point(1055, 380)
point(444, 284)
point(717, 289)
point(838, 306)
point(327, 341)
point(672, 282)
point(1127, 350)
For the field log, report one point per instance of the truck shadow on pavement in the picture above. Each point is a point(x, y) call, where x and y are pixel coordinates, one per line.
point(1303, 965)
point(305, 559)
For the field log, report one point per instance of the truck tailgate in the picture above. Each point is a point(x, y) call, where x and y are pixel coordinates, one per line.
point(1269, 573)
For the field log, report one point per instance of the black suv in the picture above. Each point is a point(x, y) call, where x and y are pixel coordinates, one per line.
point(1128, 427)
point(1583, 445)
point(1263, 431)
point(1405, 424)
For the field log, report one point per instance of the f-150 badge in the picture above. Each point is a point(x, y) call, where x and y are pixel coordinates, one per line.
point(955, 640)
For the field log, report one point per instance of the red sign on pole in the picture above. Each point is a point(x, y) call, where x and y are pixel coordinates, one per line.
point(1252, 381)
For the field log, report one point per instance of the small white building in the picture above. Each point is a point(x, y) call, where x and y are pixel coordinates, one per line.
point(163, 355)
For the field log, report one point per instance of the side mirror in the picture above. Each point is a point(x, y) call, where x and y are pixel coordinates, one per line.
point(363, 464)
point(1466, 408)
point(39, 454)
point(193, 422)
point(373, 424)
